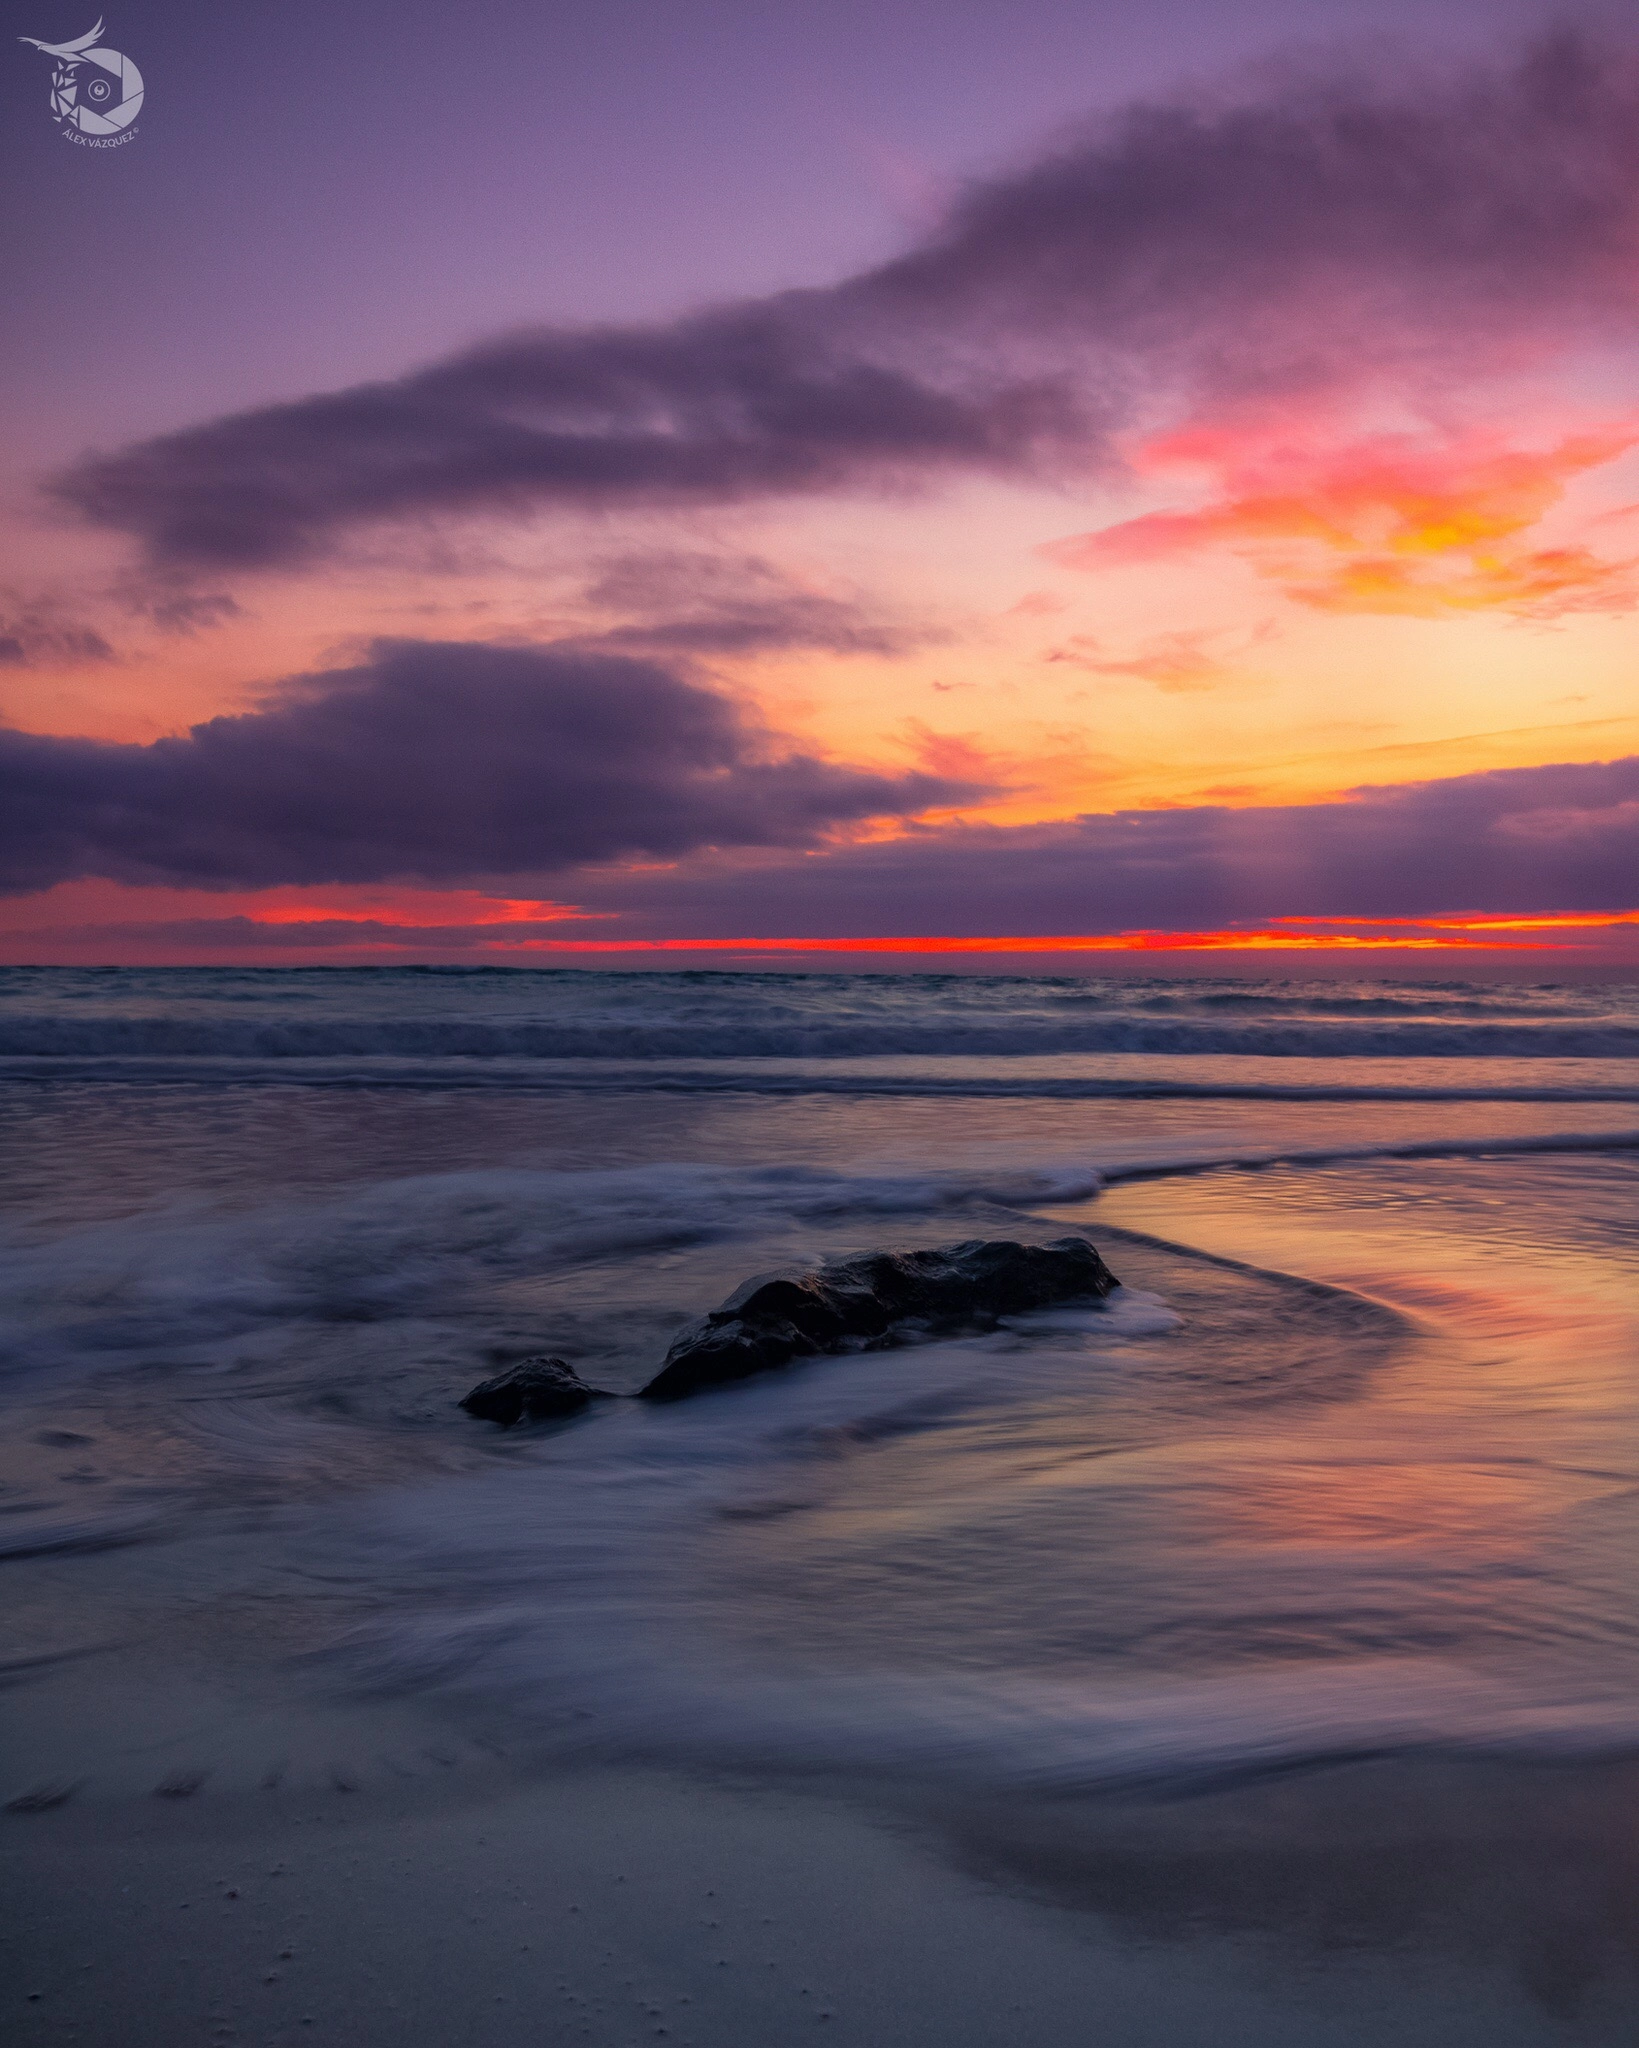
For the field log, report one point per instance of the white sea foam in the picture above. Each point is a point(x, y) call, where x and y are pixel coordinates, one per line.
point(587, 1596)
point(169, 1280)
point(187, 1277)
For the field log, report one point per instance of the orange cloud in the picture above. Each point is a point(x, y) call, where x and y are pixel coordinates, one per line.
point(417, 908)
point(1183, 660)
point(1409, 523)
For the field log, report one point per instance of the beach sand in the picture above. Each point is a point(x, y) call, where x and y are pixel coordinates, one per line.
point(393, 1878)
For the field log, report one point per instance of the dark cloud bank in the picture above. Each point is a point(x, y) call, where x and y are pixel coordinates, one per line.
point(453, 762)
point(433, 761)
point(1426, 226)
point(1513, 841)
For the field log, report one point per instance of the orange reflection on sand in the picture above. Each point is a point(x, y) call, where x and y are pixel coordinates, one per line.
point(1468, 1509)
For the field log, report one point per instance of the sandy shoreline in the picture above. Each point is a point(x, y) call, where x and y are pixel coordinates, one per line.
point(432, 1889)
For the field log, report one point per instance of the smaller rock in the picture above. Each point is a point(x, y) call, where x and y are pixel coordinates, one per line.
point(536, 1388)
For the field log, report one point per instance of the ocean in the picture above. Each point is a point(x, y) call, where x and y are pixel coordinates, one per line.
point(1348, 1466)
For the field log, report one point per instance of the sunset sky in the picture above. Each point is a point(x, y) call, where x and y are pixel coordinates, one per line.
point(1073, 486)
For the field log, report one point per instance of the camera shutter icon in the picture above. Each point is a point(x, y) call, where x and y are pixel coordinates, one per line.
point(100, 91)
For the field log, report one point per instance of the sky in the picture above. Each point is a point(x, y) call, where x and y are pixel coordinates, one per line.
point(1071, 487)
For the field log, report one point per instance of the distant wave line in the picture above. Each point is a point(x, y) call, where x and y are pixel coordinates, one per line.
point(608, 1077)
point(599, 1040)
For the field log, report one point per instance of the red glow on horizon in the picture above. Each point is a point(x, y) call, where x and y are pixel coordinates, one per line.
point(1286, 935)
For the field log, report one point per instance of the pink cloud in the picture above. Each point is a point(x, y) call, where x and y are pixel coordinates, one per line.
point(1426, 523)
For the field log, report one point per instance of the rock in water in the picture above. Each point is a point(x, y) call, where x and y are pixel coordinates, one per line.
point(876, 1300)
point(536, 1387)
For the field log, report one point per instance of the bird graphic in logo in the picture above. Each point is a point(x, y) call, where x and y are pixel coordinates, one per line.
point(94, 90)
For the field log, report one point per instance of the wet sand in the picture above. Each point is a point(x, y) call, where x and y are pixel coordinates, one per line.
point(391, 1879)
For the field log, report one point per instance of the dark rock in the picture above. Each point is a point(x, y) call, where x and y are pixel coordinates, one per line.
point(874, 1301)
point(538, 1388)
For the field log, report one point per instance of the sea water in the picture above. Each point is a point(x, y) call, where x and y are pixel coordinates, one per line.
point(1348, 1465)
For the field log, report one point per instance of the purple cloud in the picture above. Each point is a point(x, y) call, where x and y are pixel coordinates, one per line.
point(1522, 840)
point(733, 404)
point(41, 633)
point(431, 760)
point(1430, 226)
point(684, 602)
